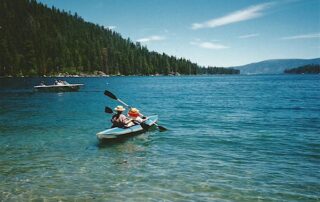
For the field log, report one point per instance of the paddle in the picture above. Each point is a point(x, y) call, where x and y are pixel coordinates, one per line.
point(112, 96)
point(108, 110)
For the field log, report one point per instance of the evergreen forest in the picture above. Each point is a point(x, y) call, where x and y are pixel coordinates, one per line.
point(306, 69)
point(36, 40)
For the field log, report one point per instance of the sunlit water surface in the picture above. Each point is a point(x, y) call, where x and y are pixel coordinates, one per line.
point(230, 138)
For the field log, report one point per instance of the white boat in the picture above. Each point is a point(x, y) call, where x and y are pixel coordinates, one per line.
point(58, 88)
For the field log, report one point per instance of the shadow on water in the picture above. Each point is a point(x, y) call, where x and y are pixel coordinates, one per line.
point(119, 140)
point(111, 142)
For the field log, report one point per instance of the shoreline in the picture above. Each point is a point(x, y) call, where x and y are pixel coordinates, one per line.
point(107, 76)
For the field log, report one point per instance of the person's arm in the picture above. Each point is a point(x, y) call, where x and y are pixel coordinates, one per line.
point(124, 119)
point(139, 119)
point(142, 118)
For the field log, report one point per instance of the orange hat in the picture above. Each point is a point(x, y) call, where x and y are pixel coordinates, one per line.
point(134, 112)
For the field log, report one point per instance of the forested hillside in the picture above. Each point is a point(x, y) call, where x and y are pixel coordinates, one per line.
point(306, 69)
point(37, 40)
point(275, 66)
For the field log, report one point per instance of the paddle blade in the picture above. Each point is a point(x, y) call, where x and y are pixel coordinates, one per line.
point(161, 128)
point(144, 126)
point(108, 110)
point(109, 94)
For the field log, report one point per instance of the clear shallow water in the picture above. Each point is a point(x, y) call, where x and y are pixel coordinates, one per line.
point(231, 138)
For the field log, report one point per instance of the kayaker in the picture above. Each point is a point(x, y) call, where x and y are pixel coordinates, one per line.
point(119, 120)
point(135, 117)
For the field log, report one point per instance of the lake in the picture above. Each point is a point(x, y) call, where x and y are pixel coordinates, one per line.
point(230, 138)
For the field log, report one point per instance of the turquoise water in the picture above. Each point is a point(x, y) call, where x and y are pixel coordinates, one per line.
point(230, 138)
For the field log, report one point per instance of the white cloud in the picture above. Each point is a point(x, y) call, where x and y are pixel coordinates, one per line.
point(151, 38)
point(237, 16)
point(304, 36)
point(248, 36)
point(208, 45)
point(111, 27)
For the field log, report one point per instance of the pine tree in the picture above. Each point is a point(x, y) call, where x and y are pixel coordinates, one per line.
point(37, 40)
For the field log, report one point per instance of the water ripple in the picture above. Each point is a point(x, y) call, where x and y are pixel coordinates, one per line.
point(230, 138)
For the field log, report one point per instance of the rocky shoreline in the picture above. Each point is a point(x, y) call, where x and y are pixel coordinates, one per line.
point(94, 74)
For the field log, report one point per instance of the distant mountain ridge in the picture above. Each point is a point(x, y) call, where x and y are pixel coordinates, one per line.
point(276, 66)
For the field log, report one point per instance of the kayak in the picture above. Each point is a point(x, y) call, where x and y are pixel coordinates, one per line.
point(118, 133)
point(58, 88)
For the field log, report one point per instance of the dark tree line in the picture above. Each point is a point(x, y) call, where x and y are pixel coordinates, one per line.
point(37, 40)
point(306, 69)
point(219, 70)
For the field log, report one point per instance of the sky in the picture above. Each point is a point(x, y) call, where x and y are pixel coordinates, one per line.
point(210, 32)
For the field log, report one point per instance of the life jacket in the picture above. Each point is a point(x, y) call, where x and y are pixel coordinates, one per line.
point(116, 122)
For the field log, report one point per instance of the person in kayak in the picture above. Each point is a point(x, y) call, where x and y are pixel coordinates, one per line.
point(119, 120)
point(134, 117)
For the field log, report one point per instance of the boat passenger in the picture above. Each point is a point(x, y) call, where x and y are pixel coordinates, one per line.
point(65, 83)
point(58, 82)
point(135, 117)
point(119, 120)
point(42, 83)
